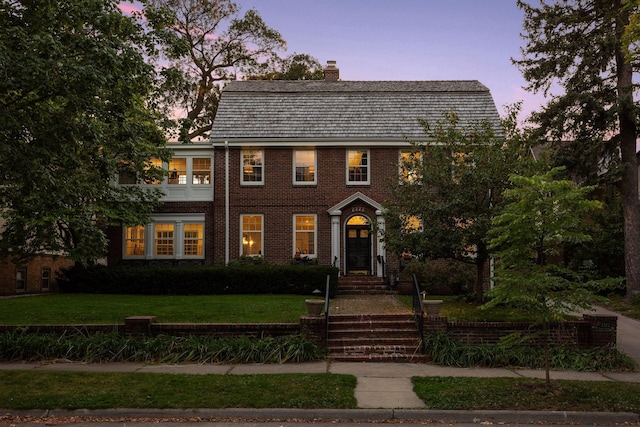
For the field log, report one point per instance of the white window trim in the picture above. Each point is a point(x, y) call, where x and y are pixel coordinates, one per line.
point(315, 235)
point(178, 222)
point(251, 183)
point(241, 230)
point(368, 181)
point(315, 167)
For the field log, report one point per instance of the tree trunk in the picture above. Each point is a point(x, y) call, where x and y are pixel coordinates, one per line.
point(629, 184)
point(481, 261)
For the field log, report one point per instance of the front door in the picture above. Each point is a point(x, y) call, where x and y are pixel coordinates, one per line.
point(358, 247)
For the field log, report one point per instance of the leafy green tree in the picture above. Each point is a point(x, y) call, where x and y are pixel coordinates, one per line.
point(74, 112)
point(541, 216)
point(202, 44)
point(298, 66)
point(451, 186)
point(586, 50)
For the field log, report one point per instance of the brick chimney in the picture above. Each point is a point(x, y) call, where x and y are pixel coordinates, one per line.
point(331, 72)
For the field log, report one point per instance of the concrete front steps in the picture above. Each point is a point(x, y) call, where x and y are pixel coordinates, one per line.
point(374, 338)
point(363, 285)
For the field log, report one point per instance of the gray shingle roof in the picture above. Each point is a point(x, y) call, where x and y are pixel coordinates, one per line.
point(375, 110)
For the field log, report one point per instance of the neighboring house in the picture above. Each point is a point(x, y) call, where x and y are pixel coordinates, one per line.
point(296, 169)
point(38, 275)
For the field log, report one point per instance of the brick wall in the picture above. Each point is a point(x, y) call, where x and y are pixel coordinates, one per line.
point(592, 331)
point(279, 199)
point(34, 267)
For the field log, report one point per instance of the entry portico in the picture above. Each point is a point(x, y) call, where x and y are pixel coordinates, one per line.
point(357, 247)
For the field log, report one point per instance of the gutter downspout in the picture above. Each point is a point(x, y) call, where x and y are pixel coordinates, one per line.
point(226, 202)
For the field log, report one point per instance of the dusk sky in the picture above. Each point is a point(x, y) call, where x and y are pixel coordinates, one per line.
point(408, 40)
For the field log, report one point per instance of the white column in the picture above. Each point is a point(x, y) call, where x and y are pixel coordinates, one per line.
point(178, 239)
point(381, 248)
point(335, 237)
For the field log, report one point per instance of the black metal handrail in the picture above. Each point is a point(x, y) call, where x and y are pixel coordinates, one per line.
point(418, 311)
point(326, 313)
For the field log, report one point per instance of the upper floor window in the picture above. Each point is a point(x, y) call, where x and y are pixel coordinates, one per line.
point(357, 166)
point(251, 235)
point(304, 168)
point(409, 166)
point(154, 162)
point(304, 235)
point(178, 171)
point(252, 167)
point(201, 171)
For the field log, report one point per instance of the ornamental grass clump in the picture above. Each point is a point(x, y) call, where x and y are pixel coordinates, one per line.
point(112, 347)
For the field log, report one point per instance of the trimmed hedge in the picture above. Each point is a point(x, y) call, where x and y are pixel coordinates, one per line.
point(199, 280)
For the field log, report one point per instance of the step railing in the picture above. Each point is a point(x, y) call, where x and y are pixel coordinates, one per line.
point(326, 313)
point(418, 311)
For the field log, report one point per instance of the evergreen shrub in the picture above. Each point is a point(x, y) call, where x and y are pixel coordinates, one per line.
point(198, 280)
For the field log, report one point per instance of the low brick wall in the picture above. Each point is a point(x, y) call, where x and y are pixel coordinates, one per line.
point(591, 331)
point(313, 327)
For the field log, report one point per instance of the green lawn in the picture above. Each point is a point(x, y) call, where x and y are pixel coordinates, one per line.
point(527, 394)
point(102, 308)
point(457, 310)
point(75, 390)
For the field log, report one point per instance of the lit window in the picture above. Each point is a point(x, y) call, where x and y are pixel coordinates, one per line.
point(411, 224)
point(156, 163)
point(305, 235)
point(193, 239)
point(201, 171)
point(251, 235)
point(409, 162)
point(304, 167)
point(178, 171)
point(45, 279)
point(164, 240)
point(134, 241)
point(357, 167)
point(21, 279)
point(252, 165)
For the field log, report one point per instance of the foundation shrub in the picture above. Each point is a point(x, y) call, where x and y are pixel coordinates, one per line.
point(199, 280)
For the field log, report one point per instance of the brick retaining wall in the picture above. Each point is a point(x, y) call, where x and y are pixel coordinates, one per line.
point(592, 331)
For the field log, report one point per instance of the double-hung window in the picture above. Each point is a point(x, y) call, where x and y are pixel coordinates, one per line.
point(251, 232)
point(357, 166)
point(169, 236)
point(134, 241)
point(178, 171)
point(304, 235)
point(252, 167)
point(201, 171)
point(304, 167)
point(164, 240)
point(409, 166)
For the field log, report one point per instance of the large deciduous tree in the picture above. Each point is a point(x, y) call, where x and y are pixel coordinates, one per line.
point(581, 48)
point(73, 113)
point(451, 184)
point(204, 43)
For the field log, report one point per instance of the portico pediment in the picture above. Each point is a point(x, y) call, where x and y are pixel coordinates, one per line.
point(337, 209)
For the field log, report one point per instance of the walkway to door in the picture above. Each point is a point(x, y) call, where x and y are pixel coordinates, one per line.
point(367, 304)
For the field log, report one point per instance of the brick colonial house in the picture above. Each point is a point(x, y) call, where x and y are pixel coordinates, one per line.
point(295, 169)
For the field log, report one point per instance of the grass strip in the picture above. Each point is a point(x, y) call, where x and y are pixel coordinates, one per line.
point(83, 390)
point(527, 394)
point(106, 308)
